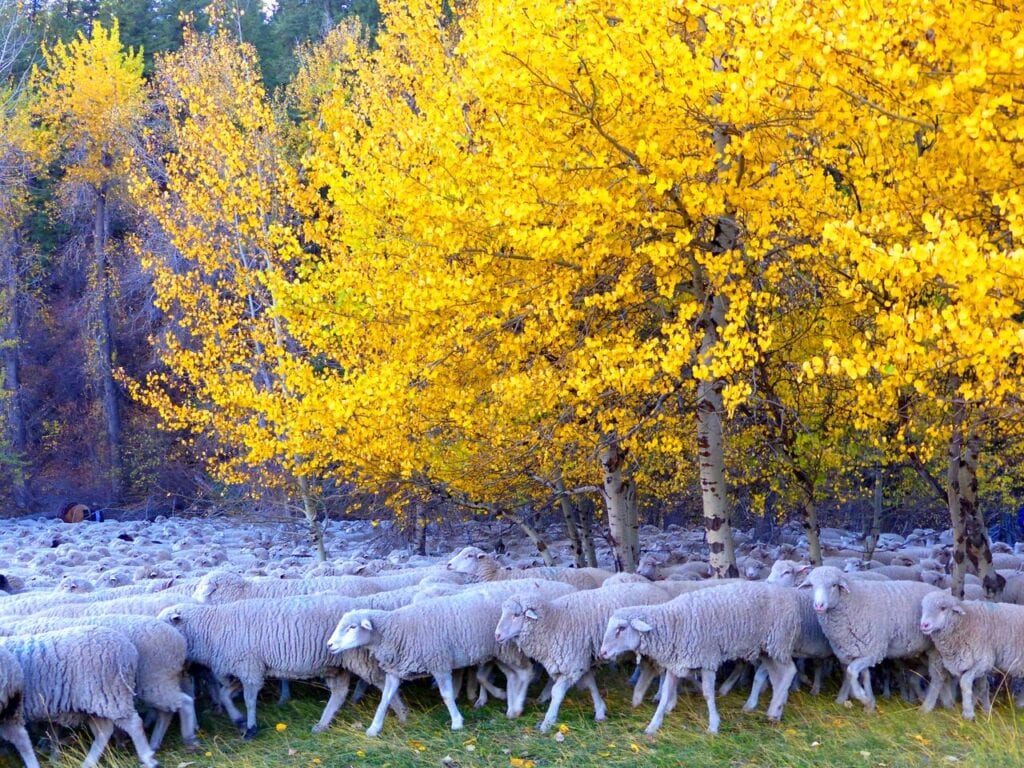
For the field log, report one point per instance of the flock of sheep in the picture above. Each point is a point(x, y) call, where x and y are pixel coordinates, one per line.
point(123, 617)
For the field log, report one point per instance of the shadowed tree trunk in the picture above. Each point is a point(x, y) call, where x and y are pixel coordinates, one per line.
point(103, 339)
point(16, 434)
point(570, 517)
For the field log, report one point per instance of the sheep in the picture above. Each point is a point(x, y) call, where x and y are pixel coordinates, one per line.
point(433, 637)
point(564, 634)
point(974, 637)
point(225, 586)
point(866, 622)
point(83, 674)
point(12, 713)
point(812, 643)
point(162, 658)
point(140, 605)
point(704, 629)
point(480, 566)
point(251, 640)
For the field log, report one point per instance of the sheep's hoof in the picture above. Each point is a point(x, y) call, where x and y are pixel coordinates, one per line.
point(250, 733)
point(544, 726)
point(319, 728)
point(239, 723)
point(371, 732)
point(968, 716)
point(192, 746)
point(650, 730)
point(749, 707)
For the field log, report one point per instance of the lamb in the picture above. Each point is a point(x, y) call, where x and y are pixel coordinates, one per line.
point(480, 566)
point(84, 674)
point(564, 634)
point(12, 713)
point(866, 622)
point(433, 637)
point(162, 659)
point(974, 637)
point(704, 629)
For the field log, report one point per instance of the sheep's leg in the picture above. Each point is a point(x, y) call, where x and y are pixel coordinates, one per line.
point(398, 707)
point(132, 725)
point(163, 722)
point(545, 694)
point(738, 671)
point(967, 693)
point(558, 691)
point(668, 693)
point(518, 681)
point(600, 708)
point(781, 674)
point(285, 695)
point(760, 677)
point(391, 683)
point(646, 672)
point(102, 728)
point(18, 736)
point(250, 692)
point(860, 692)
point(224, 696)
point(984, 693)
point(187, 720)
point(444, 685)
point(483, 677)
point(707, 685)
point(338, 685)
point(360, 690)
point(844, 690)
point(819, 676)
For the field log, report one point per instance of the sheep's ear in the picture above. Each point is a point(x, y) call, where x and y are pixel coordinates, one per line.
point(366, 624)
point(174, 618)
point(640, 625)
point(957, 608)
point(531, 614)
point(843, 585)
point(481, 555)
point(804, 569)
point(805, 585)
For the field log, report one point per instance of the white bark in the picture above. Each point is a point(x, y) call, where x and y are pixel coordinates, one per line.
point(620, 498)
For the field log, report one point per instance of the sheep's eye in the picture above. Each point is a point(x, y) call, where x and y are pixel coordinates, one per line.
point(618, 630)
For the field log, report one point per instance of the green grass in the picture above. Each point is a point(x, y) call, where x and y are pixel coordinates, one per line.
point(814, 732)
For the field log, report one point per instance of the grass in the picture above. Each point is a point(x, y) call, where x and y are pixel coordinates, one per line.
point(814, 732)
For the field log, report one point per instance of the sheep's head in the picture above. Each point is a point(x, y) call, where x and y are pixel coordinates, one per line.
point(939, 611)
point(828, 584)
point(354, 630)
point(219, 586)
point(468, 560)
point(624, 633)
point(787, 573)
point(516, 612)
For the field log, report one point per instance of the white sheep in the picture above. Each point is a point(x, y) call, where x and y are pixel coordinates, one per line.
point(480, 566)
point(564, 634)
point(433, 637)
point(973, 638)
point(866, 622)
point(12, 713)
point(77, 675)
point(703, 630)
point(161, 668)
point(251, 640)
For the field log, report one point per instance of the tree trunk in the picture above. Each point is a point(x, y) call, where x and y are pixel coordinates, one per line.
point(871, 540)
point(979, 547)
point(956, 512)
point(10, 251)
point(620, 498)
point(585, 508)
point(534, 536)
point(812, 528)
point(711, 446)
point(421, 523)
point(569, 516)
point(316, 531)
point(105, 349)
